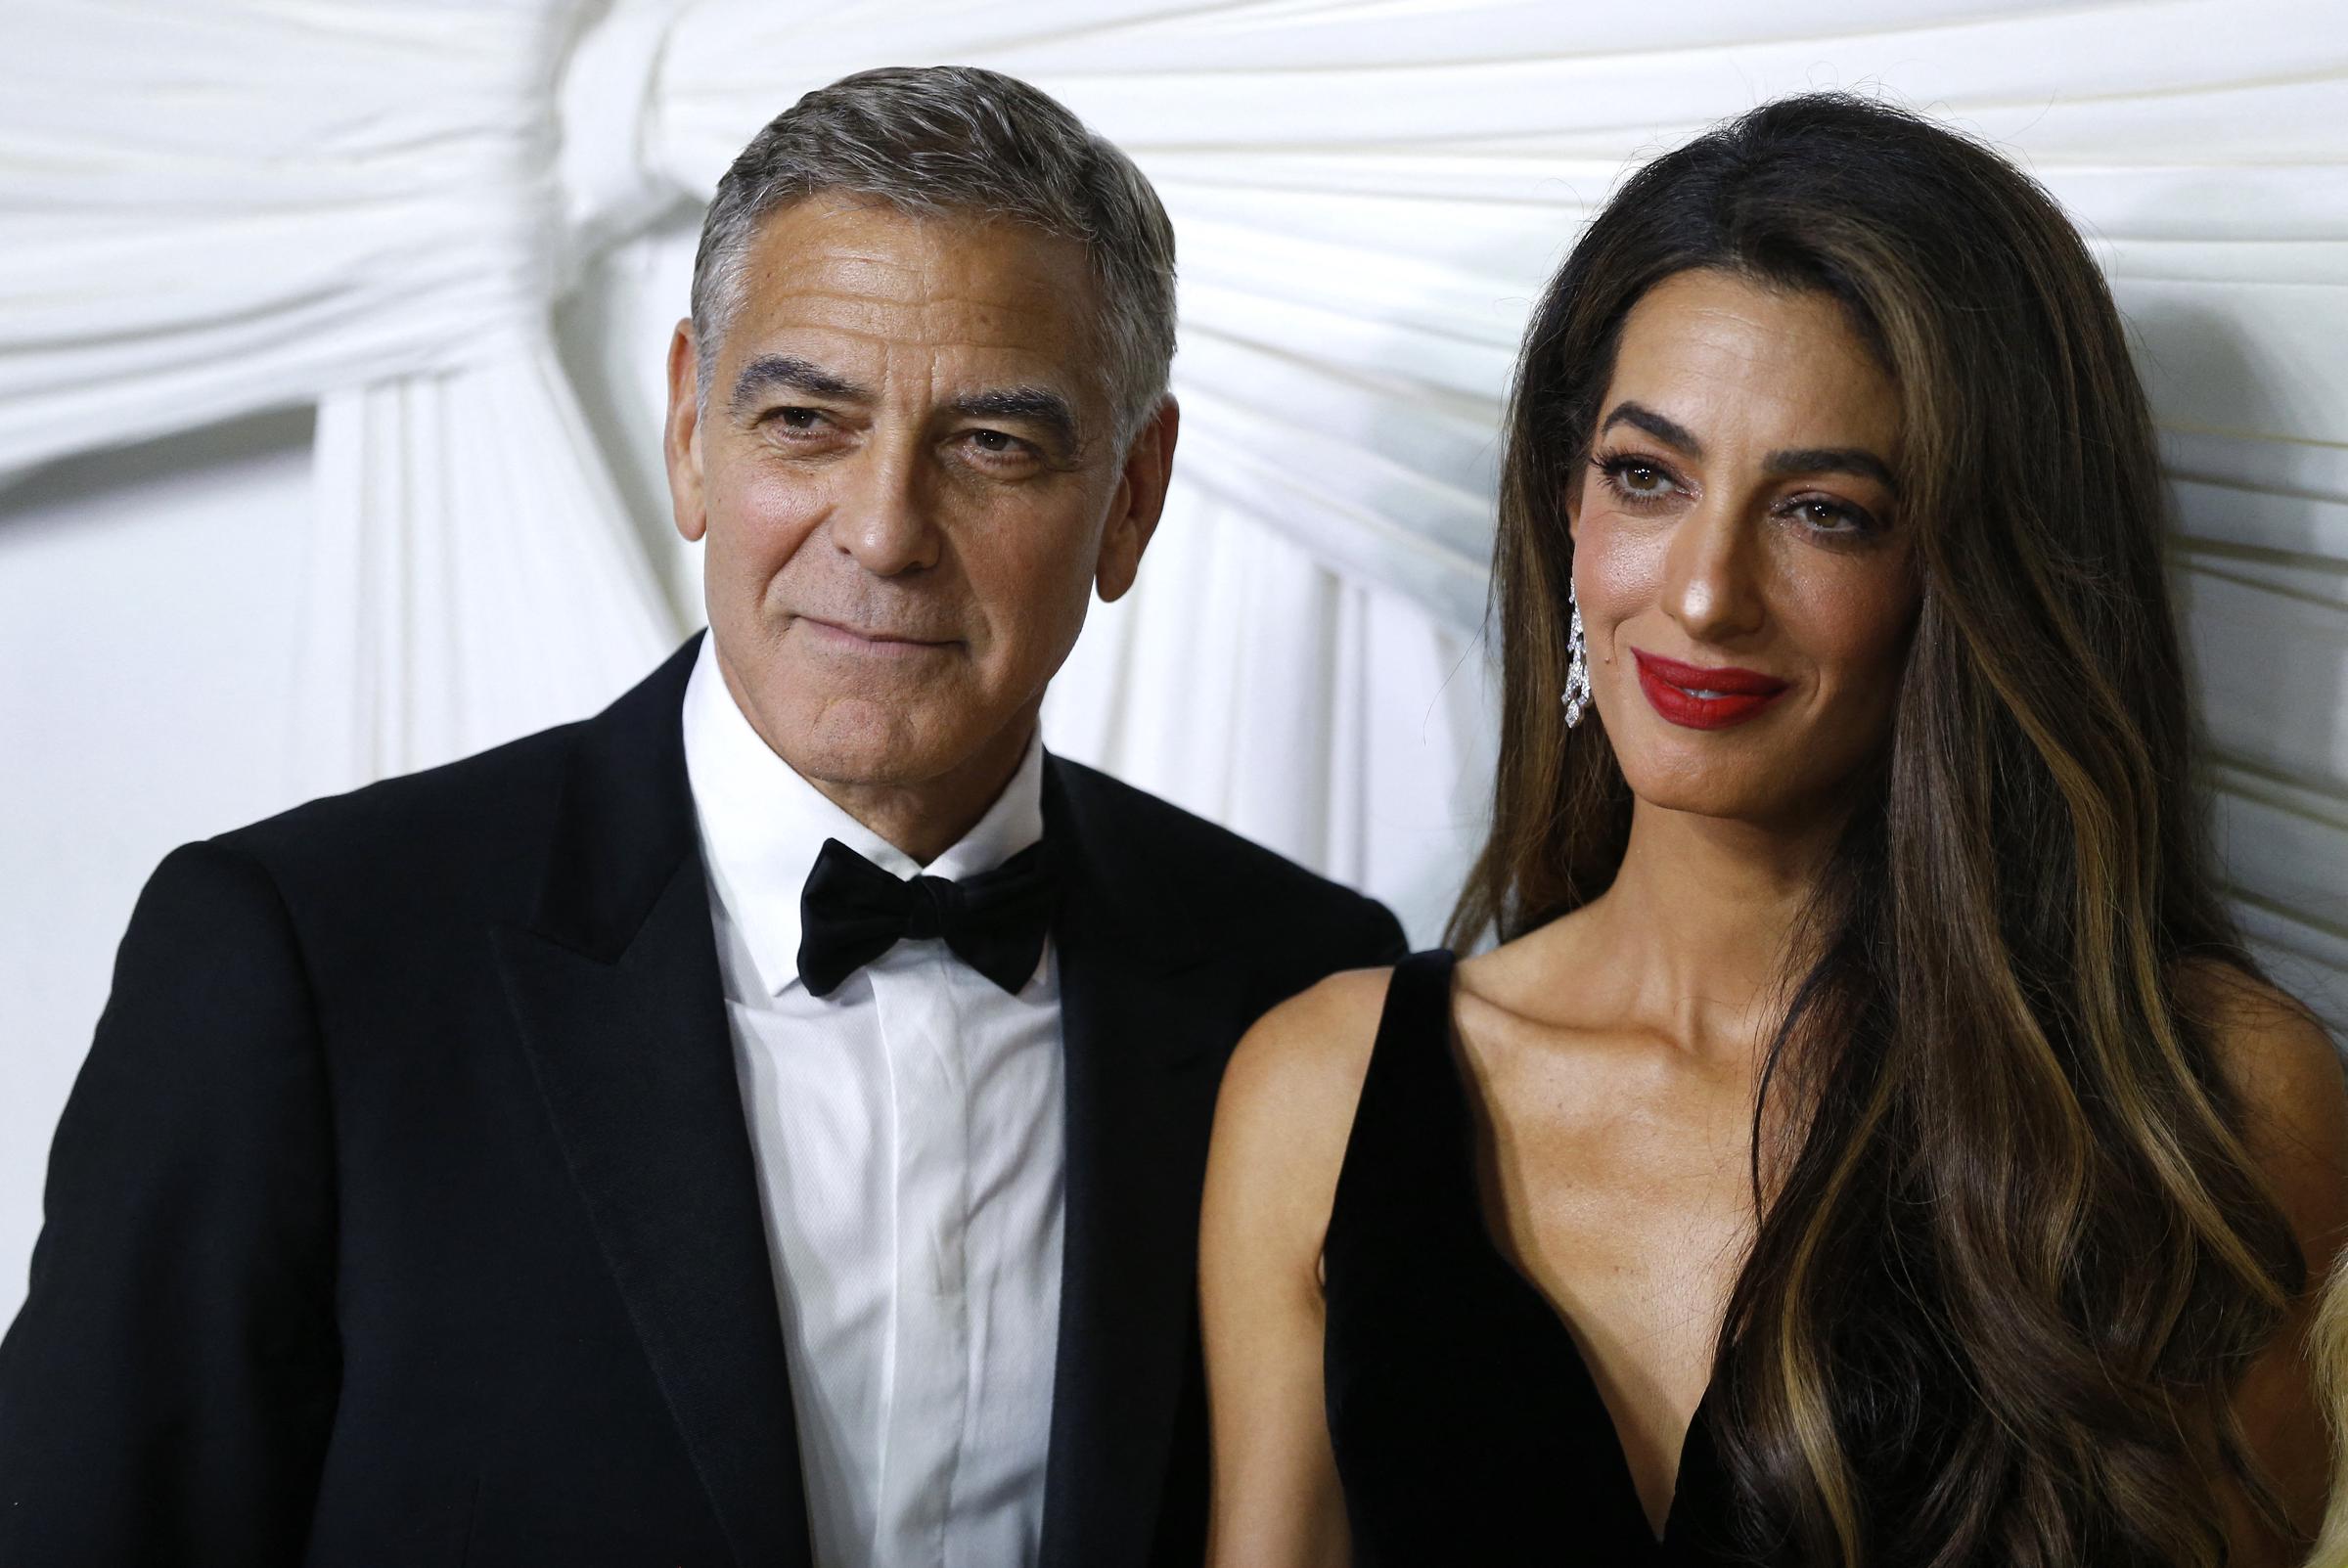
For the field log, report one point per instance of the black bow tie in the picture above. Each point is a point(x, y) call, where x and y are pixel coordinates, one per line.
point(851, 911)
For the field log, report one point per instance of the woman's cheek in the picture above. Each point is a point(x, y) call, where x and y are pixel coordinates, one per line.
point(1852, 614)
point(1615, 572)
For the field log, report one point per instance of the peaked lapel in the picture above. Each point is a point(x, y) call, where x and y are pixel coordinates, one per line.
point(1139, 1026)
point(616, 992)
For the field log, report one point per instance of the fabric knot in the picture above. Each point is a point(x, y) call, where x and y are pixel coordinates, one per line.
point(932, 911)
point(607, 104)
point(851, 911)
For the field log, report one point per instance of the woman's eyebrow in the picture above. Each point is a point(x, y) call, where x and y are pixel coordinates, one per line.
point(1640, 415)
point(1856, 460)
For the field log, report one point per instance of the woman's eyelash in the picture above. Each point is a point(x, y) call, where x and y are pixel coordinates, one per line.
point(1860, 522)
point(1611, 466)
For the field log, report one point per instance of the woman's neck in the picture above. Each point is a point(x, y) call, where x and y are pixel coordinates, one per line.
point(1701, 923)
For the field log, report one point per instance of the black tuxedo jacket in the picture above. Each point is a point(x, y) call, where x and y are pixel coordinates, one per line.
point(403, 1213)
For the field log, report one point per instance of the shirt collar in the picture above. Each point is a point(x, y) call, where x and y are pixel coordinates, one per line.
point(762, 824)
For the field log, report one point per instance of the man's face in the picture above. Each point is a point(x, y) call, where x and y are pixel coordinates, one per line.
point(908, 478)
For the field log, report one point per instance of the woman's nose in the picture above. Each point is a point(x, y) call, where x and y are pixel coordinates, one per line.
point(1711, 574)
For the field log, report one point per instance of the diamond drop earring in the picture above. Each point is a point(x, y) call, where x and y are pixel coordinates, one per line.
point(1576, 696)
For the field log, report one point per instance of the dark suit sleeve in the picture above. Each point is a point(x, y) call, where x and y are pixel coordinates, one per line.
point(166, 1391)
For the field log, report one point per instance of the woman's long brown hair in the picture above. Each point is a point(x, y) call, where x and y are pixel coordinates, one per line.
point(2015, 1254)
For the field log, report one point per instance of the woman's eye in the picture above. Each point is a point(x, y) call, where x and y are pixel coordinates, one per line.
point(1635, 480)
point(1831, 517)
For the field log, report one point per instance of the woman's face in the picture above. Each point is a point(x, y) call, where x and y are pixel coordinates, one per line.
point(1745, 584)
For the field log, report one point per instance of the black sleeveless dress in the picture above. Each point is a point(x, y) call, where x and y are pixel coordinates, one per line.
point(1467, 1427)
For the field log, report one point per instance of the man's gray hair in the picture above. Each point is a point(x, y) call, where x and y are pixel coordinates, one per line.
point(956, 141)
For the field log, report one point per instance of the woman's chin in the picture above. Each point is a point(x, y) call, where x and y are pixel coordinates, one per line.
point(1750, 790)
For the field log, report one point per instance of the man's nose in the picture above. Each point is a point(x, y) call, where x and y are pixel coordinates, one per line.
point(1712, 583)
point(886, 513)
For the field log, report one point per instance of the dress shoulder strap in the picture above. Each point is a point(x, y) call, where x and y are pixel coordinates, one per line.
point(1417, 1002)
point(1409, 1144)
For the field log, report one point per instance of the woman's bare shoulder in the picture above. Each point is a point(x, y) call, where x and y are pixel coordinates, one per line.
point(2287, 1075)
point(2285, 1078)
point(1283, 1121)
point(1284, 1113)
point(1304, 1060)
point(2276, 1056)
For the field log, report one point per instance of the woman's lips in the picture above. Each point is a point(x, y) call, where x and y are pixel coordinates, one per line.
point(1698, 696)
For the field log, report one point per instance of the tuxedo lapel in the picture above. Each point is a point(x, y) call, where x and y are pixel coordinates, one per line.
point(1139, 1030)
point(616, 992)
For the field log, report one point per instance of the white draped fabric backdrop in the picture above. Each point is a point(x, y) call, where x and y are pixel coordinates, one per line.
point(458, 230)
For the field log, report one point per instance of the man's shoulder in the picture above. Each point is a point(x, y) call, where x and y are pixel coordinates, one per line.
point(477, 813)
point(491, 806)
point(1246, 882)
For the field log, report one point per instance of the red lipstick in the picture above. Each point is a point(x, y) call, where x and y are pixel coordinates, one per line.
point(1700, 697)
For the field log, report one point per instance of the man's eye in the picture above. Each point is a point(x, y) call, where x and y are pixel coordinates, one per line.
point(999, 448)
point(797, 421)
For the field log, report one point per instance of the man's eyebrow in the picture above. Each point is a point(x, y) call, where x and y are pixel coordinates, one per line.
point(1641, 417)
point(794, 374)
point(1856, 460)
point(1032, 405)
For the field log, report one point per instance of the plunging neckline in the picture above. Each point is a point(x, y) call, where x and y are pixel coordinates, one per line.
point(1463, 1414)
point(1463, 1108)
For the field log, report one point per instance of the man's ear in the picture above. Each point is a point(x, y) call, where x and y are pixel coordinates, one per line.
point(681, 435)
point(1141, 497)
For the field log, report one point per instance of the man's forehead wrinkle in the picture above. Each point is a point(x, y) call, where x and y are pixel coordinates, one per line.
point(938, 292)
point(935, 280)
point(944, 324)
point(804, 286)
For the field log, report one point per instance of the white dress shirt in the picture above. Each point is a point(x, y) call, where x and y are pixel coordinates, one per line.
point(907, 1134)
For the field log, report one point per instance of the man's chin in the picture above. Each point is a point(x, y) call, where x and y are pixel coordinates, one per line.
point(900, 756)
point(850, 734)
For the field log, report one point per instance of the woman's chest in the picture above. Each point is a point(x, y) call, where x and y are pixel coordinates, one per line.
point(1626, 1199)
